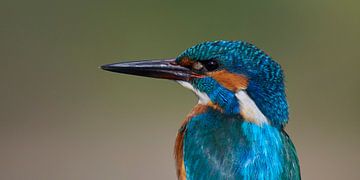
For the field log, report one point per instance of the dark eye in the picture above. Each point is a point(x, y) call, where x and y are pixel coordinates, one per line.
point(211, 65)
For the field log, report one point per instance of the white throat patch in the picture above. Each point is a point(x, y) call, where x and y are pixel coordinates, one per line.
point(203, 97)
point(249, 110)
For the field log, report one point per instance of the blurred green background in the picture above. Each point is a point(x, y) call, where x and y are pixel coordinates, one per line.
point(63, 118)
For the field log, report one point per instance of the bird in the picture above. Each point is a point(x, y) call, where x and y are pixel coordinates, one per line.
point(236, 130)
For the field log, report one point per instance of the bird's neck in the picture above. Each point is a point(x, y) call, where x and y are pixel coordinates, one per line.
point(254, 103)
point(230, 145)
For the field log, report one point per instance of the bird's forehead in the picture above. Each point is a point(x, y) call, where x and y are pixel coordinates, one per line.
point(210, 50)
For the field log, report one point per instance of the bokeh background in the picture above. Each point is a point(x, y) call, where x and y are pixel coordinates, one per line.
point(62, 118)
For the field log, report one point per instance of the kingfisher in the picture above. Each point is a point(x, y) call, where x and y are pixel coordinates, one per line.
point(236, 130)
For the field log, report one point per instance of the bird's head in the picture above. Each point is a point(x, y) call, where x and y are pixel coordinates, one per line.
point(234, 77)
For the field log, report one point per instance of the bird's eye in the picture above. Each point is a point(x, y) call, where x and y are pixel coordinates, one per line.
point(211, 65)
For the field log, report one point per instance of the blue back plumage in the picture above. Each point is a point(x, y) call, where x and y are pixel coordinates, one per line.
point(217, 146)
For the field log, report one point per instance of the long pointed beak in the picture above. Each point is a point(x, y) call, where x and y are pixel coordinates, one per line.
point(164, 69)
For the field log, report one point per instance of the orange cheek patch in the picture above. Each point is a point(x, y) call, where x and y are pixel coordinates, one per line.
point(231, 81)
point(186, 62)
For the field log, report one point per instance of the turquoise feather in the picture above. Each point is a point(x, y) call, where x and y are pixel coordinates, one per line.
point(218, 146)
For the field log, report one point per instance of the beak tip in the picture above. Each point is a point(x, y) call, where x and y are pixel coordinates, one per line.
point(105, 67)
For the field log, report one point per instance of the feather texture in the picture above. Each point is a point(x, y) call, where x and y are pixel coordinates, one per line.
point(218, 146)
